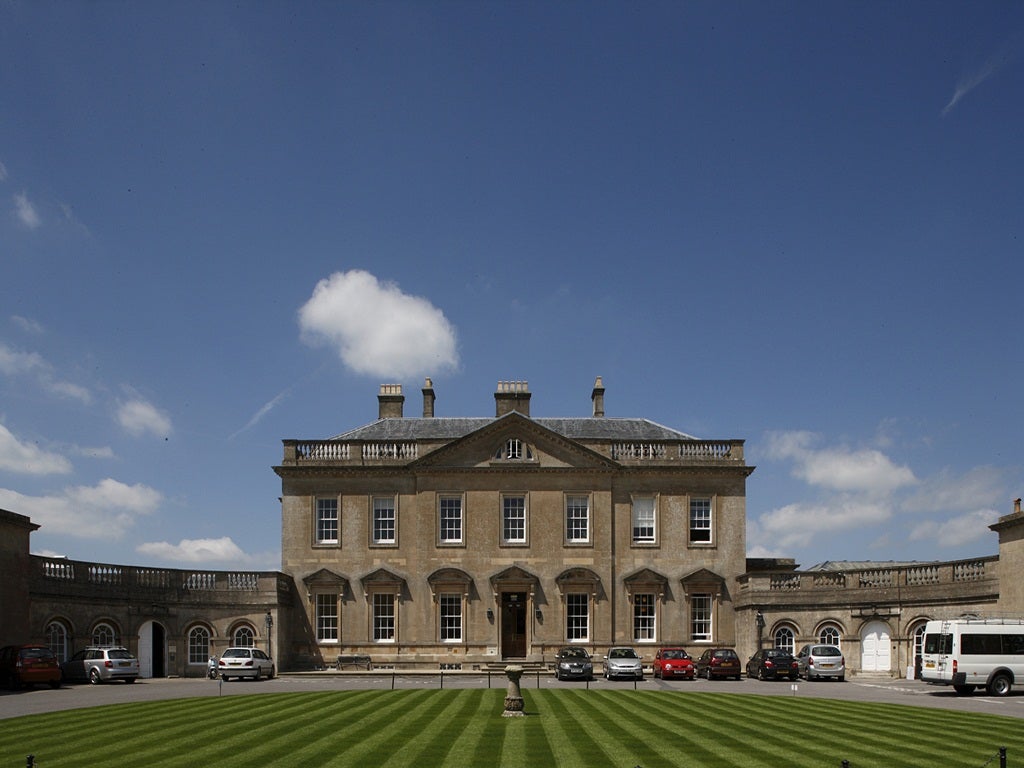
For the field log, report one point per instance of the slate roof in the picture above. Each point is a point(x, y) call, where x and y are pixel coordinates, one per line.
point(453, 428)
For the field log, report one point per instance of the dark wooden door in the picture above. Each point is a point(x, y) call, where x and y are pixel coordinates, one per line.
point(513, 625)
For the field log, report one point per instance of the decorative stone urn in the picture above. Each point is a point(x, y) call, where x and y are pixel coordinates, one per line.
point(513, 696)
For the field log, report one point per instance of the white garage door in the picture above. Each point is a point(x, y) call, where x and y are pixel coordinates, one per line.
point(875, 644)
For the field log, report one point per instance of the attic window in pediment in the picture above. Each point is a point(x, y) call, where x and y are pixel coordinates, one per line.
point(514, 449)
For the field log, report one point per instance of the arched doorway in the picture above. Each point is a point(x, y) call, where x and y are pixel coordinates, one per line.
point(876, 654)
point(152, 650)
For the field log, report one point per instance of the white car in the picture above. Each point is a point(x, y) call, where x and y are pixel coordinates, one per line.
point(244, 662)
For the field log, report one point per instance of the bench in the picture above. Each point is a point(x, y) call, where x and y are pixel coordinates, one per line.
point(361, 662)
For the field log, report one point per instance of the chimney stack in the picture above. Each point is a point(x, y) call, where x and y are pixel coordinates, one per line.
point(428, 399)
point(597, 398)
point(512, 396)
point(390, 401)
point(1016, 506)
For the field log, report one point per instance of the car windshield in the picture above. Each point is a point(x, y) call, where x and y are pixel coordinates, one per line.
point(119, 653)
point(775, 654)
point(36, 653)
point(826, 650)
point(672, 654)
point(724, 654)
point(236, 653)
point(622, 653)
point(574, 653)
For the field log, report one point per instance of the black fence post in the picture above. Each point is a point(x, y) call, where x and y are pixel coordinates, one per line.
point(30, 760)
point(1002, 757)
point(442, 679)
point(845, 764)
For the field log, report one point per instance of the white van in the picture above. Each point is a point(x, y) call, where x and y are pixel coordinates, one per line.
point(970, 653)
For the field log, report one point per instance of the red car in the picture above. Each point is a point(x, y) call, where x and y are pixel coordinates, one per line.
point(673, 662)
point(27, 665)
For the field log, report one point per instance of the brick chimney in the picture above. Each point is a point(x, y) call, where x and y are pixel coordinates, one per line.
point(390, 401)
point(512, 396)
point(428, 399)
point(597, 398)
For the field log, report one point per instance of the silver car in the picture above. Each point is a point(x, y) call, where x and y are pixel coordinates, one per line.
point(244, 662)
point(816, 661)
point(623, 662)
point(101, 664)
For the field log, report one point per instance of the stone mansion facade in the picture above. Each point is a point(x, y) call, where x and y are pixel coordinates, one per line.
point(462, 542)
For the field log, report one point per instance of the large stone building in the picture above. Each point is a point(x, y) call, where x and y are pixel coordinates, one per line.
point(467, 540)
point(461, 542)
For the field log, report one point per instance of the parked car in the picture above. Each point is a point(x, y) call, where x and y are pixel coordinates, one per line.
point(819, 661)
point(101, 664)
point(718, 662)
point(573, 662)
point(244, 662)
point(673, 662)
point(623, 662)
point(27, 665)
point(772, 664)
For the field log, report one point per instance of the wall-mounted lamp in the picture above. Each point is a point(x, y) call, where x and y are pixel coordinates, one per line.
point(760, 620)
point(269, 621)
point(539, 615)
point(490, 615)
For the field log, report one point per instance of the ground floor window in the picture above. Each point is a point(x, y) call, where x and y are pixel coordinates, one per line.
point(57, 640)
point(700, 618)
point(643, 617)
point(829, 634)
point(243, 637)
point(327, 618)
point(383, 617)
point(198, 645)
point(451, 617)
point(785, 639)
point(577, 616)
point(103, 634)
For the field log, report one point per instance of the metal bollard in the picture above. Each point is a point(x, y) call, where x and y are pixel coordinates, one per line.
point(845, 764)
point(30, 760)
point(1002, 757)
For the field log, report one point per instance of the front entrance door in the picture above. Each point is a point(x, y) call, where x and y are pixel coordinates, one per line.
point(152, 650)
point(513, 625)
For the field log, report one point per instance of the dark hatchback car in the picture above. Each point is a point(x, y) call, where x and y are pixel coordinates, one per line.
point(718, 663)
point(573, 662)
point(27, 665)
point(772, 664)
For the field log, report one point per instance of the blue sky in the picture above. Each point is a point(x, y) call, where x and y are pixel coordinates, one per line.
point(223, 225)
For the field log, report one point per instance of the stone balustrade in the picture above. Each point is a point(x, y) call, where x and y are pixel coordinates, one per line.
point(896, 576)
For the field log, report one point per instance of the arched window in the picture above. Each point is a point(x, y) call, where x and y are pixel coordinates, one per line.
point(244, 637)
point(57, 639)
point(784, 639)
point(514, 449)
point(828, 634)
point(103, 634)
point(198, 645)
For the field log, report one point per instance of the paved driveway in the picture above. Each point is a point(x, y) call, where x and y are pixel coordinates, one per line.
point(910, 692)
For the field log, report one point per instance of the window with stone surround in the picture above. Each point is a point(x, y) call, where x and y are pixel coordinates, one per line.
point(577, 519)
point(644, 617)
point(513, 519)
point(385, 624)
point(577, 617)
point(327, 617)
point(450, 519)
point(385, 520)
point(450, 608)
point(700, 520)
point(327, 521)
point(645, 522)
point(700, 618)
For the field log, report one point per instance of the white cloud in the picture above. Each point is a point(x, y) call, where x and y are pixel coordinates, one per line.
point(971, 80)
point(956, 531)
point(13, 363)
point(24, 458)
point(26, 212)
point(27, 324)
point(839, 469)
point(951, 492)
point(376, 329)
point(103, 511)
point(195, 551)
point(796, 525)
point(139, 416)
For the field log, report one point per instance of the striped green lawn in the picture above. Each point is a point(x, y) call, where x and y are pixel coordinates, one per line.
point(566, 727)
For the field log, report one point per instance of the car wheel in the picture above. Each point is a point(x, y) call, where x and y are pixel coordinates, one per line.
point(94, 676)
point(710, 676)
point(841, 678)
point(259, 674)
point(129, 679)
point(760, 674)
point(55, 683)
point(224, 678)
point(999, 685)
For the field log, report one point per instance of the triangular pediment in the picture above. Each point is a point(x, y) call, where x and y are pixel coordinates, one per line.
point(324, 578)
point(382, 577)
point(702, 576)
point(513, 575)
point(540, 448)
point(645, 576)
